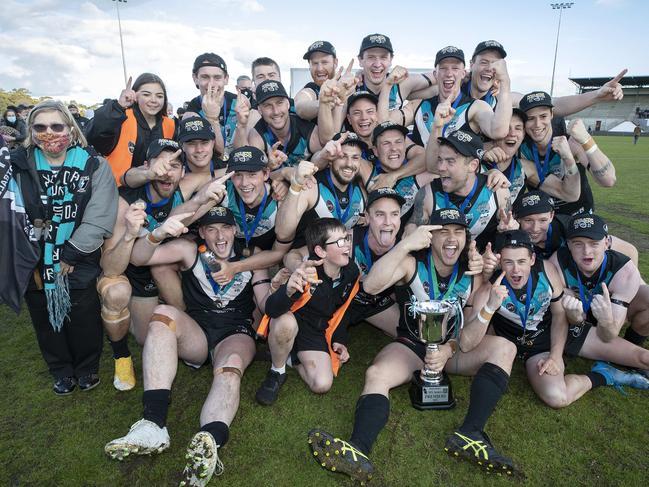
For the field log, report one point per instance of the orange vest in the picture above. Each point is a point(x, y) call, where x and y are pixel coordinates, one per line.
point(121, 158)
point(333, 322)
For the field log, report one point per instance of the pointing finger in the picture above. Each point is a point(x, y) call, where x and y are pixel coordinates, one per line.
point(129, 83)
point(499, 281)
point(225, 177)
point(350, 66)
point(619, 76)
point(605, 292)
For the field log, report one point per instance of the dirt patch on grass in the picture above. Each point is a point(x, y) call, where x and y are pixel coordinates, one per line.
point(623, 231)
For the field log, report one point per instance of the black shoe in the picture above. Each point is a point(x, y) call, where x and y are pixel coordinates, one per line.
point(477, 448)
point(87, 382)
point(64, 386)
point(337, 455)
point(269, 389)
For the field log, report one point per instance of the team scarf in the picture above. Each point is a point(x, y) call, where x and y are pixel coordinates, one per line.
point(59, 199)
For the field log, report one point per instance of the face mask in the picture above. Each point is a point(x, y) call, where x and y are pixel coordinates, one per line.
point(11, 119)
point(52, 143)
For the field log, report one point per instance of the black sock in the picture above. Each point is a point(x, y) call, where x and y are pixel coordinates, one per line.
point(372, 412)
point(596, 379)
point(156, 404)
point(634, 337)
point(218, 430)
point(488, 386)
point(120, 347)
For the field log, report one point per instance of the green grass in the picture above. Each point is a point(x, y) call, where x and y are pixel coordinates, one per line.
point(599, 441)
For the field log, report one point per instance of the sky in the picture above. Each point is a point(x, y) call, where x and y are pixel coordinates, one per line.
point(69, 49)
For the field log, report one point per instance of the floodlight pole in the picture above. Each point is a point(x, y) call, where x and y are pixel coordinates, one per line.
point(121, 40)
point(559, 7)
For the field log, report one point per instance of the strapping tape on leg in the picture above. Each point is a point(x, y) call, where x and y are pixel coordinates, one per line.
point(164, 319)
point(105, 282)
point(114, 318)
point(223, 370)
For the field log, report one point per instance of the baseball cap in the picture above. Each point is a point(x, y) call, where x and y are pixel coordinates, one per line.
point(209, 59)
point(491, 44)
point(376, 40)
point(467, 144)
point(361, 94)
point(533, 203)
point(320, 46)
point(269, 89)
point(385, 126)
point(158, 145)
point(513, 238)
point(217, 214)
point(586, 225)
point(377, 194)
point(448, 216)
point(449, 51)
point(195, 128)
point(247, 158)
point(352, 138)
point(535, 99)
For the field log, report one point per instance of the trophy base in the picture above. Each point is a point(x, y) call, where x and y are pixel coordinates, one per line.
point(425, 397)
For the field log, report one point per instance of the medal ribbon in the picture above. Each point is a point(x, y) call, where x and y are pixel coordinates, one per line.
point(582, 294)
point(339, 212)
point(467, 200)
point(433, 289)
point(541, 169)
point(255, 223)
point(528, 301)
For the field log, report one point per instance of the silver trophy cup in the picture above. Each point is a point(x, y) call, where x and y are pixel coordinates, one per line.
point(433, 319)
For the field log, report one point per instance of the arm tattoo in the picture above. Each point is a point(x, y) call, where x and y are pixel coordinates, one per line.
point(602, 170)
point(418, 217)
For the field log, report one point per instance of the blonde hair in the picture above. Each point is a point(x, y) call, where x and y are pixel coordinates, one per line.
point(76, 135)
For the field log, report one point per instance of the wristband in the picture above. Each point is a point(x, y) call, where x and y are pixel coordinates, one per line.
point(293, 192)
point(260, 281)
point(481, 319)
point(592, 149)
point(588, 144)
point(488, 310)
point(152, 240)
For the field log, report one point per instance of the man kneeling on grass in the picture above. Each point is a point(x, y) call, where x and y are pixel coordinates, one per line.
point(217, 324)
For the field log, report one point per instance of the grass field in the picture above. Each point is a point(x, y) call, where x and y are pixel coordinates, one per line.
point(599, 441)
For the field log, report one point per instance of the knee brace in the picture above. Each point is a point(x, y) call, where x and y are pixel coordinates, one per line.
point(105, 282)
point(167, 320)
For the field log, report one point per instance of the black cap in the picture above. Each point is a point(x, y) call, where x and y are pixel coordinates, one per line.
point(247, 158)
point(377, 194)
point(587, 225)
point(352, 139)
point(361, 94)
point(533, 203)
point(513, 238)
point(448, 216)
point(466, 143)
point(22, 106)
point(158, 145)
point(209, 59)
point(449, 51)
point(195, 128)
point(487, 45)
point(269, 89)
point(320, 46)
point(376, 40)
point(520, 113)
point(217, 214)
point(535, 99)
point(385, 126)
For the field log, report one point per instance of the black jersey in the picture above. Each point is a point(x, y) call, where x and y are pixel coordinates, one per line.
point(555, 237)
point(297, 146)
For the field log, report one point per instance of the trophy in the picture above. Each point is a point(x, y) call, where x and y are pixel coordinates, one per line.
point(429, 389)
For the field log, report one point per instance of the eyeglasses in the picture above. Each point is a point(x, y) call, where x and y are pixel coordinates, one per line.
point(341, 242)
point(56, 127)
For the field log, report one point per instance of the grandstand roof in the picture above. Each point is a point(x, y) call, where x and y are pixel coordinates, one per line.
point(627, 81)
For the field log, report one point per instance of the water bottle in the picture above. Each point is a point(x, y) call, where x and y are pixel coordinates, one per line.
point(208, 258)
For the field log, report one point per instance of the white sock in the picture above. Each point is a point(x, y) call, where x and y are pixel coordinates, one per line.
point(279, 370)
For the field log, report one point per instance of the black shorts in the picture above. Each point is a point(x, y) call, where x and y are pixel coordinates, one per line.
point(364, 306)
point(141, 281)
point(576, 337)
point(419, 348)
point(310, 339)
point(218, 327)
point(534, 343)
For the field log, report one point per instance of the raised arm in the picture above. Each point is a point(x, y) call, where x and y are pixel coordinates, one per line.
point(588, 153)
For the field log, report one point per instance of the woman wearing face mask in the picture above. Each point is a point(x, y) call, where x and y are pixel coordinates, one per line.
point(12, 128)
point(123, 129)
point(71, 199)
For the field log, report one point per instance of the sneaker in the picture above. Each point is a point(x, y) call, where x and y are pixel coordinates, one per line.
point(144, 437)
point(269, 389)
point(202, 461)
point(124, 379)
point(88, 382)
point(337, 455)
point(478, 449)
point(64, 386)
point(618, 378)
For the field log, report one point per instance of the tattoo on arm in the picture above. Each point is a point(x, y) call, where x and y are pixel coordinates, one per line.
point(418, 216)
point(602, 170)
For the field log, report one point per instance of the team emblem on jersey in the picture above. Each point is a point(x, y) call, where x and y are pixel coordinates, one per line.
point(83, 184)
point(330, 206)
point(131, 147)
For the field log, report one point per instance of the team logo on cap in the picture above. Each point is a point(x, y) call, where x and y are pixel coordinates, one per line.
point(492, 44)
point(449, 50)
point(272, 86)
point(316, 45)
point(194, 125)
point(462, 136)
point(218, 211)
point(385, 191)
point(451, 214)
point(242, 156)
point(378, 39)
point(387, 124)
point(352, 136)
point(585, 222)
point(531, 200)
point(532, 97)
point(167, 143)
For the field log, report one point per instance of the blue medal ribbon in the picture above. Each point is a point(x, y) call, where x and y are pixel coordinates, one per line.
point(272, 139)
point(255, 223)
point(366, 252)
point(432, 279)
point(528, 301)
point(150, 205)
point(339, 213)
point(582, 294)
point(467, 200)
point(541, 169)
point(208, 274)
point(488, 98)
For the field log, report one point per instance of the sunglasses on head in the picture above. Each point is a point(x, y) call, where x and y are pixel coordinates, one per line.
point(56, 127)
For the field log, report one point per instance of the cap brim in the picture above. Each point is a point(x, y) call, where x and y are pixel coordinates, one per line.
point(196, 136)
point(246, 167)
point(400, 128)
point(396, 197)
point(457, 146)
point(587, 234)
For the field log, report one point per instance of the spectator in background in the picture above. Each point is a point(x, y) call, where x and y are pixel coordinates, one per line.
point(81, 120)
point(170, 110)
point(23, 111)
point(244, 85)
point(12, 128)
point(636, 134)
